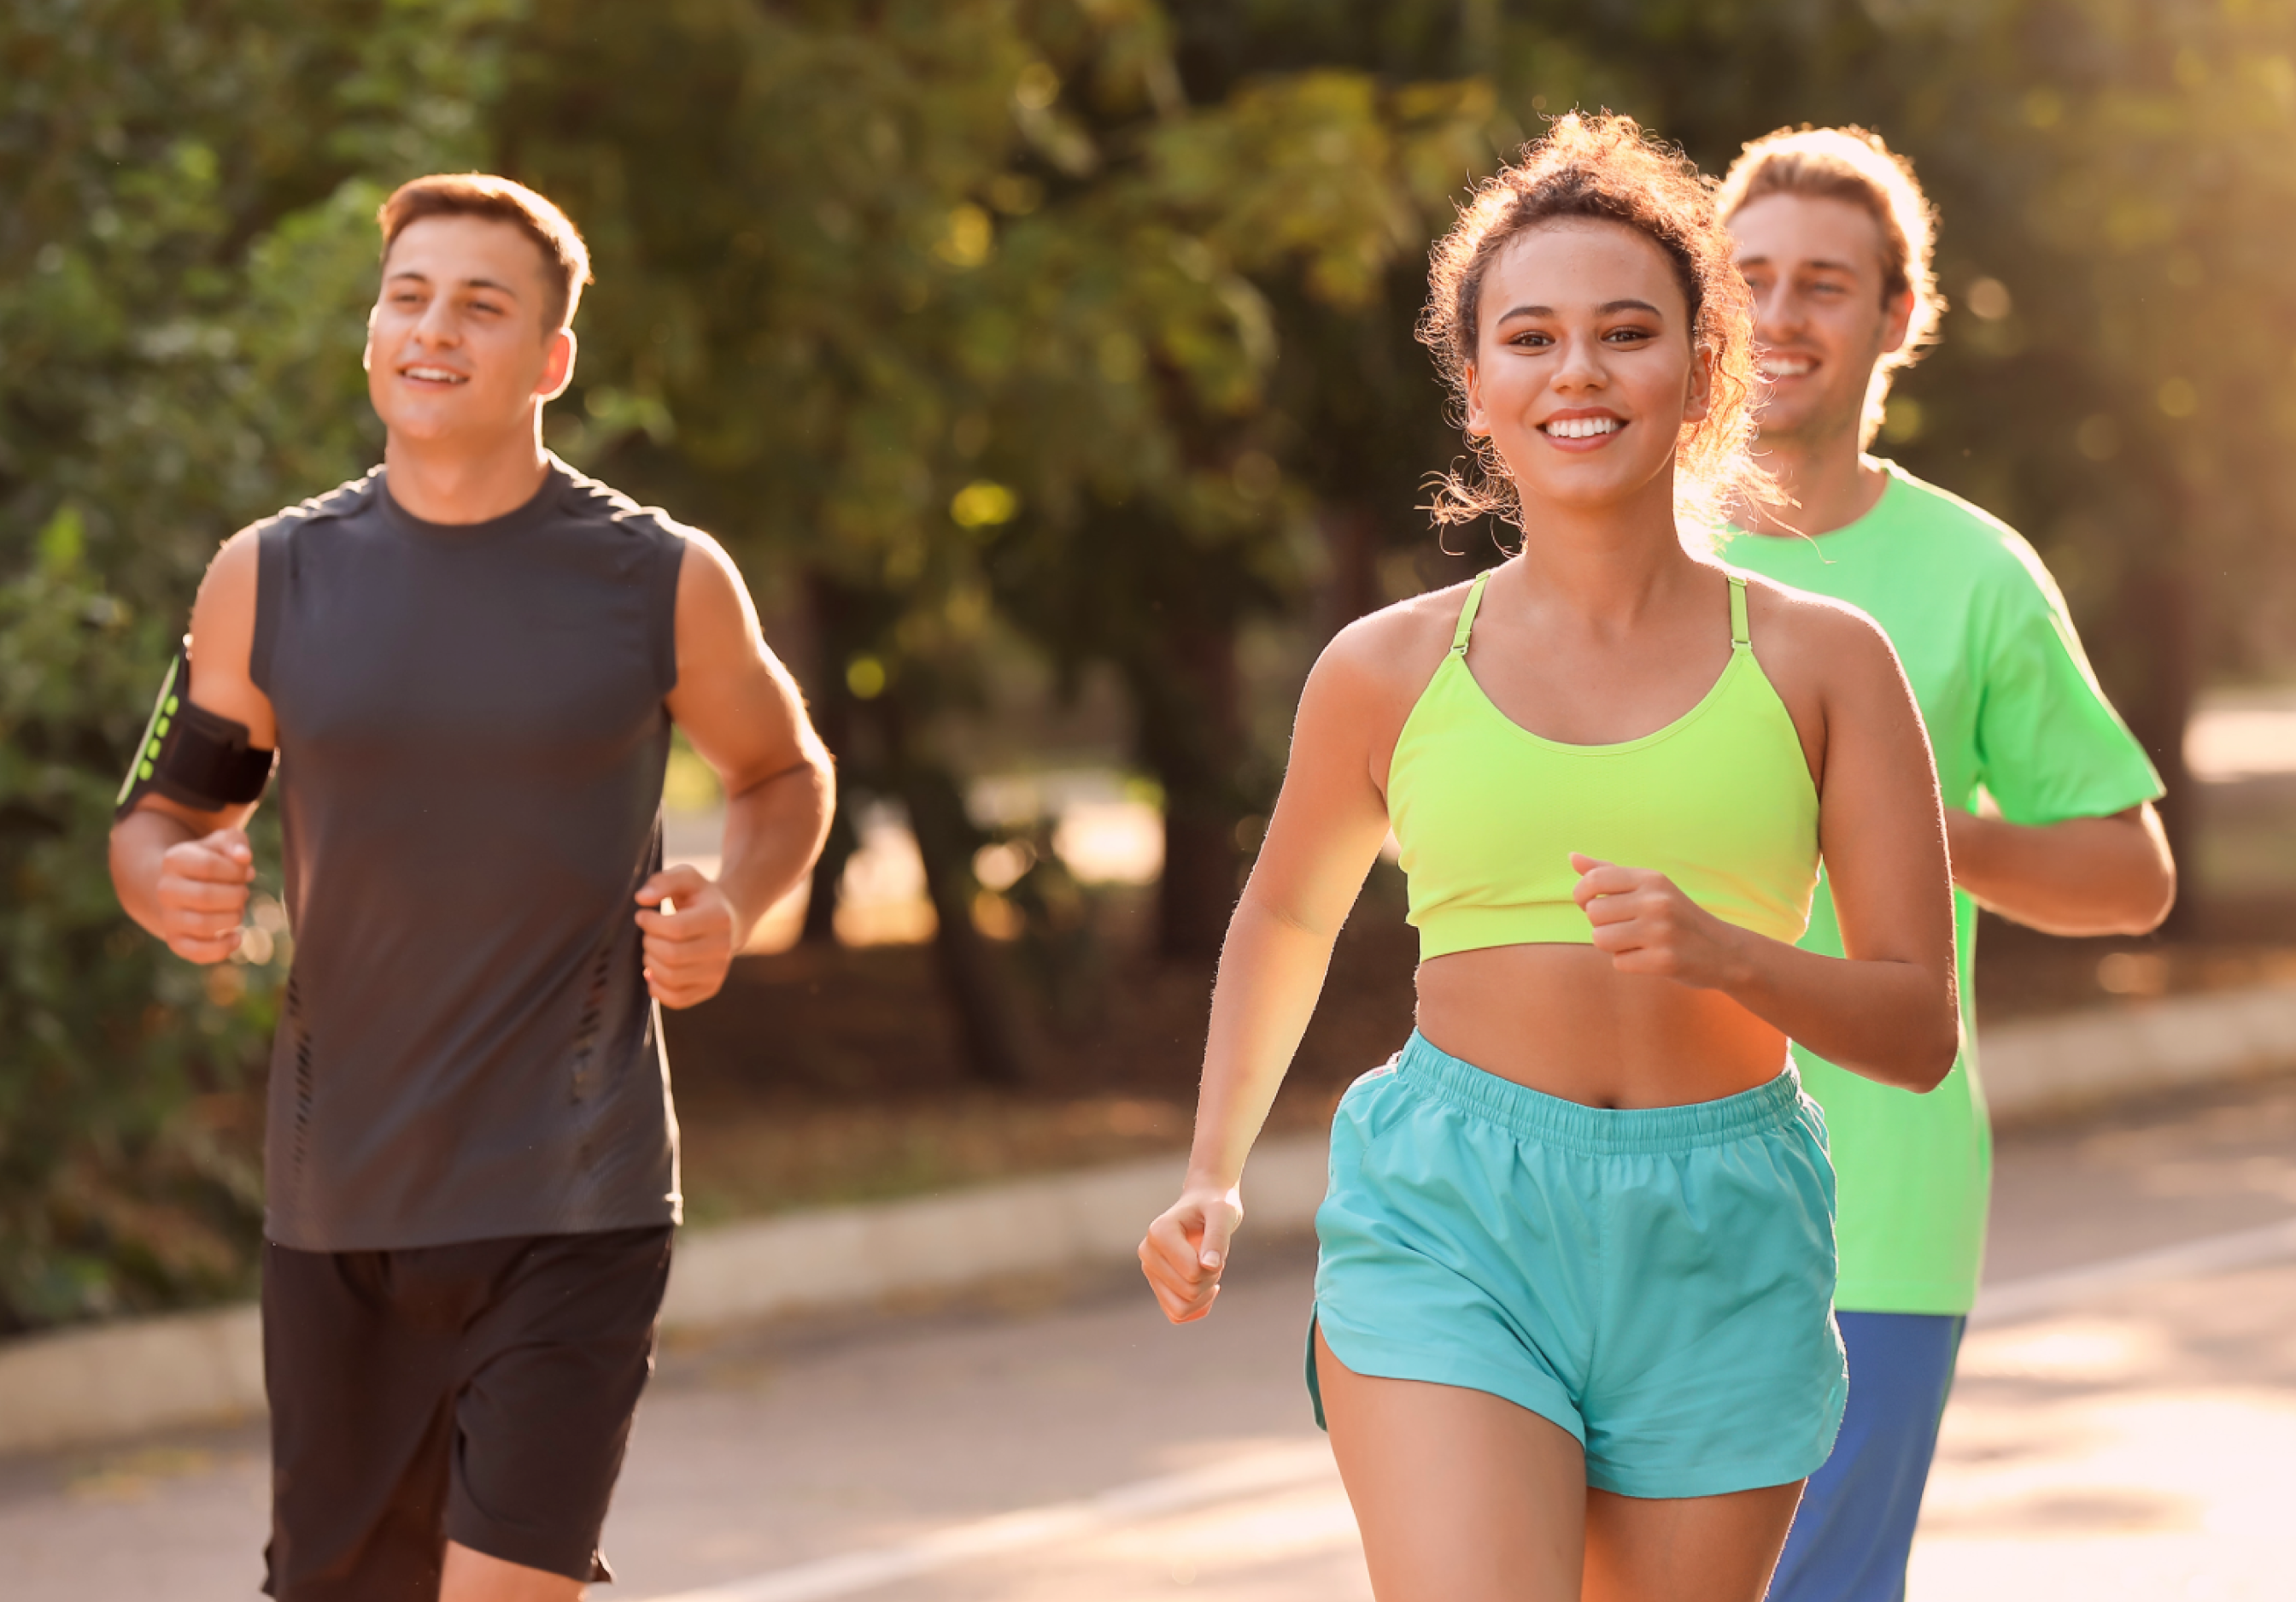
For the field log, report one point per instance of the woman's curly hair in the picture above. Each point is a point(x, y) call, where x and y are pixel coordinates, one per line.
point(1606, 168)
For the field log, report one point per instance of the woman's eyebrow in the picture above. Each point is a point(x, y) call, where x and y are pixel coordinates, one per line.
point(1606, 308)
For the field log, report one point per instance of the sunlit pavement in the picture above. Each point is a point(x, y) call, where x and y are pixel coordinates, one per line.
point(2144, 1447)
point(2136, 1442)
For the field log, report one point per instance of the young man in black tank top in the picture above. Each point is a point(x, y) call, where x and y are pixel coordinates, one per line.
point(468, 662)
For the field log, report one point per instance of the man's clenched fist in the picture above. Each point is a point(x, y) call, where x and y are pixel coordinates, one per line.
point(202, 894)
point(688, 949)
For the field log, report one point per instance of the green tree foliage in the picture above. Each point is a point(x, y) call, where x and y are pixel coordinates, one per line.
point(2116, 208)
point(2115, 203)
point(1080, 323)
point(109, 1197)
point(185, 256)
point(962, 310)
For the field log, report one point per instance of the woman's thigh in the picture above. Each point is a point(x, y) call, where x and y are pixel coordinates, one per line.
point(1461, 1496)
point(1697, 1549)
point(1464, 1497)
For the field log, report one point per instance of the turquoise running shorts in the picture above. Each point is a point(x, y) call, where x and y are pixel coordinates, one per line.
point(1657, 1281)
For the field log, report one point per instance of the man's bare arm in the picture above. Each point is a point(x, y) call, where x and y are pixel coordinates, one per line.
point(180, 872)
point(2083, 876)
point(740, 709)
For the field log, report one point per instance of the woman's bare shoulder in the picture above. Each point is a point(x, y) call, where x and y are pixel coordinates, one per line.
point(1368, 678)
point(1398, 648)
point(1798, 627)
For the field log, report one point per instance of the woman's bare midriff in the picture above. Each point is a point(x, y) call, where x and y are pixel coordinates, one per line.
point(1562, 1020)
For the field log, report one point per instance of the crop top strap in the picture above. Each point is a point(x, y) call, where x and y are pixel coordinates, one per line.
point(1740, 639)
point(1467, 613)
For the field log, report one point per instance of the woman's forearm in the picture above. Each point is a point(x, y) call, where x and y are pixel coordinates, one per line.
point(1271, 972)
point(1896, 1022)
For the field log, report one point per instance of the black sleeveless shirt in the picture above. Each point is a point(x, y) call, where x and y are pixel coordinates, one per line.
point(471, 739)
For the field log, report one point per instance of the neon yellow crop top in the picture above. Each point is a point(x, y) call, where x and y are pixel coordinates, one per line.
point(1488, 813)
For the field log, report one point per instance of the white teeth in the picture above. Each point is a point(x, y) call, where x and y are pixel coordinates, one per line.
point(434, 374)
point(1582, 428)
point(1786, 366)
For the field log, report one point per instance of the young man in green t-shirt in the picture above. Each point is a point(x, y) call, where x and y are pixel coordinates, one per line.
point(1834, 237)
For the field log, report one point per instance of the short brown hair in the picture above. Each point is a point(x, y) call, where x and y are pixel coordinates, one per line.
point(565, 258)
point(1854, 165)
point(1605, 168)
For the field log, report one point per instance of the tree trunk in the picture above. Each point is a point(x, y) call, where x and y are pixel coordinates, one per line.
point(1196, 894)
point(2155, 608)
point(972, 978)
point(1351, 537)
point(1191, 736)
point(833, 721)
point(833, 718)
point(820, 927)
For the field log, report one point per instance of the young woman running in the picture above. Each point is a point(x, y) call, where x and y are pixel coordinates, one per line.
point(1572, 1332)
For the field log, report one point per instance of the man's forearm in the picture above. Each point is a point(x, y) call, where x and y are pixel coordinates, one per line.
point(139, 843)
point(2083, 876)
point(774, 832)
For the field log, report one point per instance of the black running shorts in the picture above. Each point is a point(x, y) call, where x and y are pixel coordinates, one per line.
point(479, 1393)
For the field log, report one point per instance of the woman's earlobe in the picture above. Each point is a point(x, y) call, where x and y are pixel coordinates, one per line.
point(1700, 401)
point(1475, 423)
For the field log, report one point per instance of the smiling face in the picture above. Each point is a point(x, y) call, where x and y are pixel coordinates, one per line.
point(1820, 321)
point(1584, 373)
point(458, 343)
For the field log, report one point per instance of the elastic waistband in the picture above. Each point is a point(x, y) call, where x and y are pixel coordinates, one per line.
point(1597, 1131)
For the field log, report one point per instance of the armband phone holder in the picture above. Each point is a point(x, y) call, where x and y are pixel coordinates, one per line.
point(191, 755)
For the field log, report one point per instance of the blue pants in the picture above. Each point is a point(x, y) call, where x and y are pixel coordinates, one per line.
point(1855, 1528)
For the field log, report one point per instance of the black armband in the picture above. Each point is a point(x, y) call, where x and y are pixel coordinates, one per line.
point(192, 755)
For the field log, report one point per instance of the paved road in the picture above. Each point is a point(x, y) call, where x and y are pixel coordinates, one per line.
point(1057, 1441)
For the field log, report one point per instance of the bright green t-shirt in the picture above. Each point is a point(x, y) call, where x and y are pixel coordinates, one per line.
point(2014, 711)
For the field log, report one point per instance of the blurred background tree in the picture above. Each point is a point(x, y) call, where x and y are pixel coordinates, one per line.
point(947, 314)
point(187, 253)
point(2116, 200)
point(1070, 332)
